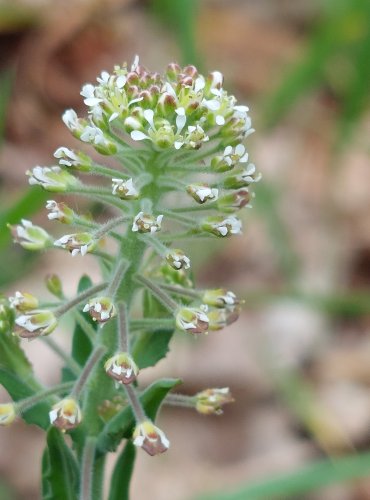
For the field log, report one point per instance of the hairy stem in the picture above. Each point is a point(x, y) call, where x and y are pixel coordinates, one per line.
point(156, 290)
point(79, 298)
point(135, 404)
point(27, 403)
point(80, 383)
point(88, 455)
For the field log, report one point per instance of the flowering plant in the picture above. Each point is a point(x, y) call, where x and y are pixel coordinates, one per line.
point(181, 172)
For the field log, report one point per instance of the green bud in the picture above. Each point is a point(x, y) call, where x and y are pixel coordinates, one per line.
point(30, 237)
point(23, 302)
point(54, 285)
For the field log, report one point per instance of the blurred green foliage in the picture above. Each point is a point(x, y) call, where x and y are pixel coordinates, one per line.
point(336, 59)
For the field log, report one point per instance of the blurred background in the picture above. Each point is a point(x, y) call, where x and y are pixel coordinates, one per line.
point(298, 360)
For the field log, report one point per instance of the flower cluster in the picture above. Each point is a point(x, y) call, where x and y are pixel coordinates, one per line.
point(181, 171)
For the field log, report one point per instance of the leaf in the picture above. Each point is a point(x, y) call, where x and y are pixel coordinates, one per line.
point(121, 477)
point(150, 347)
point(293, 485)
point(12, 356)
point(60, 472)
point(121, 425)
point(21, 388)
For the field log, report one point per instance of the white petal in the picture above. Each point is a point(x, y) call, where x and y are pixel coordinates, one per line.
point(136, 135)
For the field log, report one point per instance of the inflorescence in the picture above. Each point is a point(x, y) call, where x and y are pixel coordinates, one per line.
point(181, 172)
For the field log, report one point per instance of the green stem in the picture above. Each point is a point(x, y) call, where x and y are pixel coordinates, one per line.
point(82, 380)
point(80, 298)
point(156, 290)
point(85, 325)
point(149, 324)
point(123, 328)
point(25, 404)
point(108, 226)
point(135, 404)
point(117, 278)
point(108, 172)
point(180, 400)
point(88, 455)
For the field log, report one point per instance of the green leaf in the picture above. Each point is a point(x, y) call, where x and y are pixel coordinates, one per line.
point(121, 425)
point(150, 347)
point(121, 477)
point(12, 355)
point(21, 388)
point(293, 485)
point(60, 472)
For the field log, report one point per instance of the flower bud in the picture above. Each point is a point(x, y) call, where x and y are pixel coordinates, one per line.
point(177, 259)
point(220, 298)
point(66, 414)
point(54, 285)
point(122, 368)
point(150, 438)
point(146, 223)
point(37, 323)
point(234, 201)
point(214, 80)
point(166, 105)
point(51, 179)
point(201, 192)
point(30, 237)
point(163, 137)
point(75, 124)
point(101, 309)
point(69, 158)
point(23, 302)
point(7, 414)
point(193, 320)
point(78, 243)
point(220, 318)
point(173, 71)
point(220, 226)
point(60, 212)
point(210, 401)
point(124, 189)
point(242, 177)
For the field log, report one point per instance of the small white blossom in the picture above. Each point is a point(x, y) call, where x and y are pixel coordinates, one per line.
point(193, 320)
point(79, 243)
point(66, 414)
point(29, 236)
point(146, 223)
point(222, 226)
point(150, 438)
point(122, 368)
point(101, 309)
point(177, 259)
point(35, 324)
point(202, 192)
point(88, 92)
point(125, 189)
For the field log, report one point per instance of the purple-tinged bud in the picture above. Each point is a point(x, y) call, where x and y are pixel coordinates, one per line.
point(177, 259)
point(193, 320)
point(66, 414)
point(37, 323)
point(232, 202)
point(191, 71)
point(150, 438)
point(122, 368)
point(101, 309)
point(166, 104)
point(210, 401)
point(173, 71)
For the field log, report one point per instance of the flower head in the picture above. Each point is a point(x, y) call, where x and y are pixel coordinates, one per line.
point(29, 236)
point(150, 438)
point(201, 192)
point(220, 298)
point(78, 243)
point(146, 223)
point(69, 158)
point(125, 189)
point(122, 368)
point(37, 323)
point(59, 211)
point(23, 301)
point(193, 320)
point(7, 414)
point(220, 226)
point(210, 401)
point(101, 309)
point(177, 259)
point(230, 157)
point(51, 178)
point(66, 414)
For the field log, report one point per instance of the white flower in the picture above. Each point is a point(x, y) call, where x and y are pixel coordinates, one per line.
point(71, 120)
point(122, 368)
point(23, 302)
point(51, 178)
point(202, 192)
point(29, 236)
point(101, 309)
point(59, 211)
point(150, 438)
point(36, 323)
point(146, 223)
point(222, 226)
point(193, 320)
point(125, 189)
point(66, 414)
point(67, 156)
point(235, 155)
point(88, 91)
point(177, 259)
point(78, 243)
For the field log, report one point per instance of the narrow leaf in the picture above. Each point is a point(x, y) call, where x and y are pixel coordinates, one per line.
point(121, 477)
